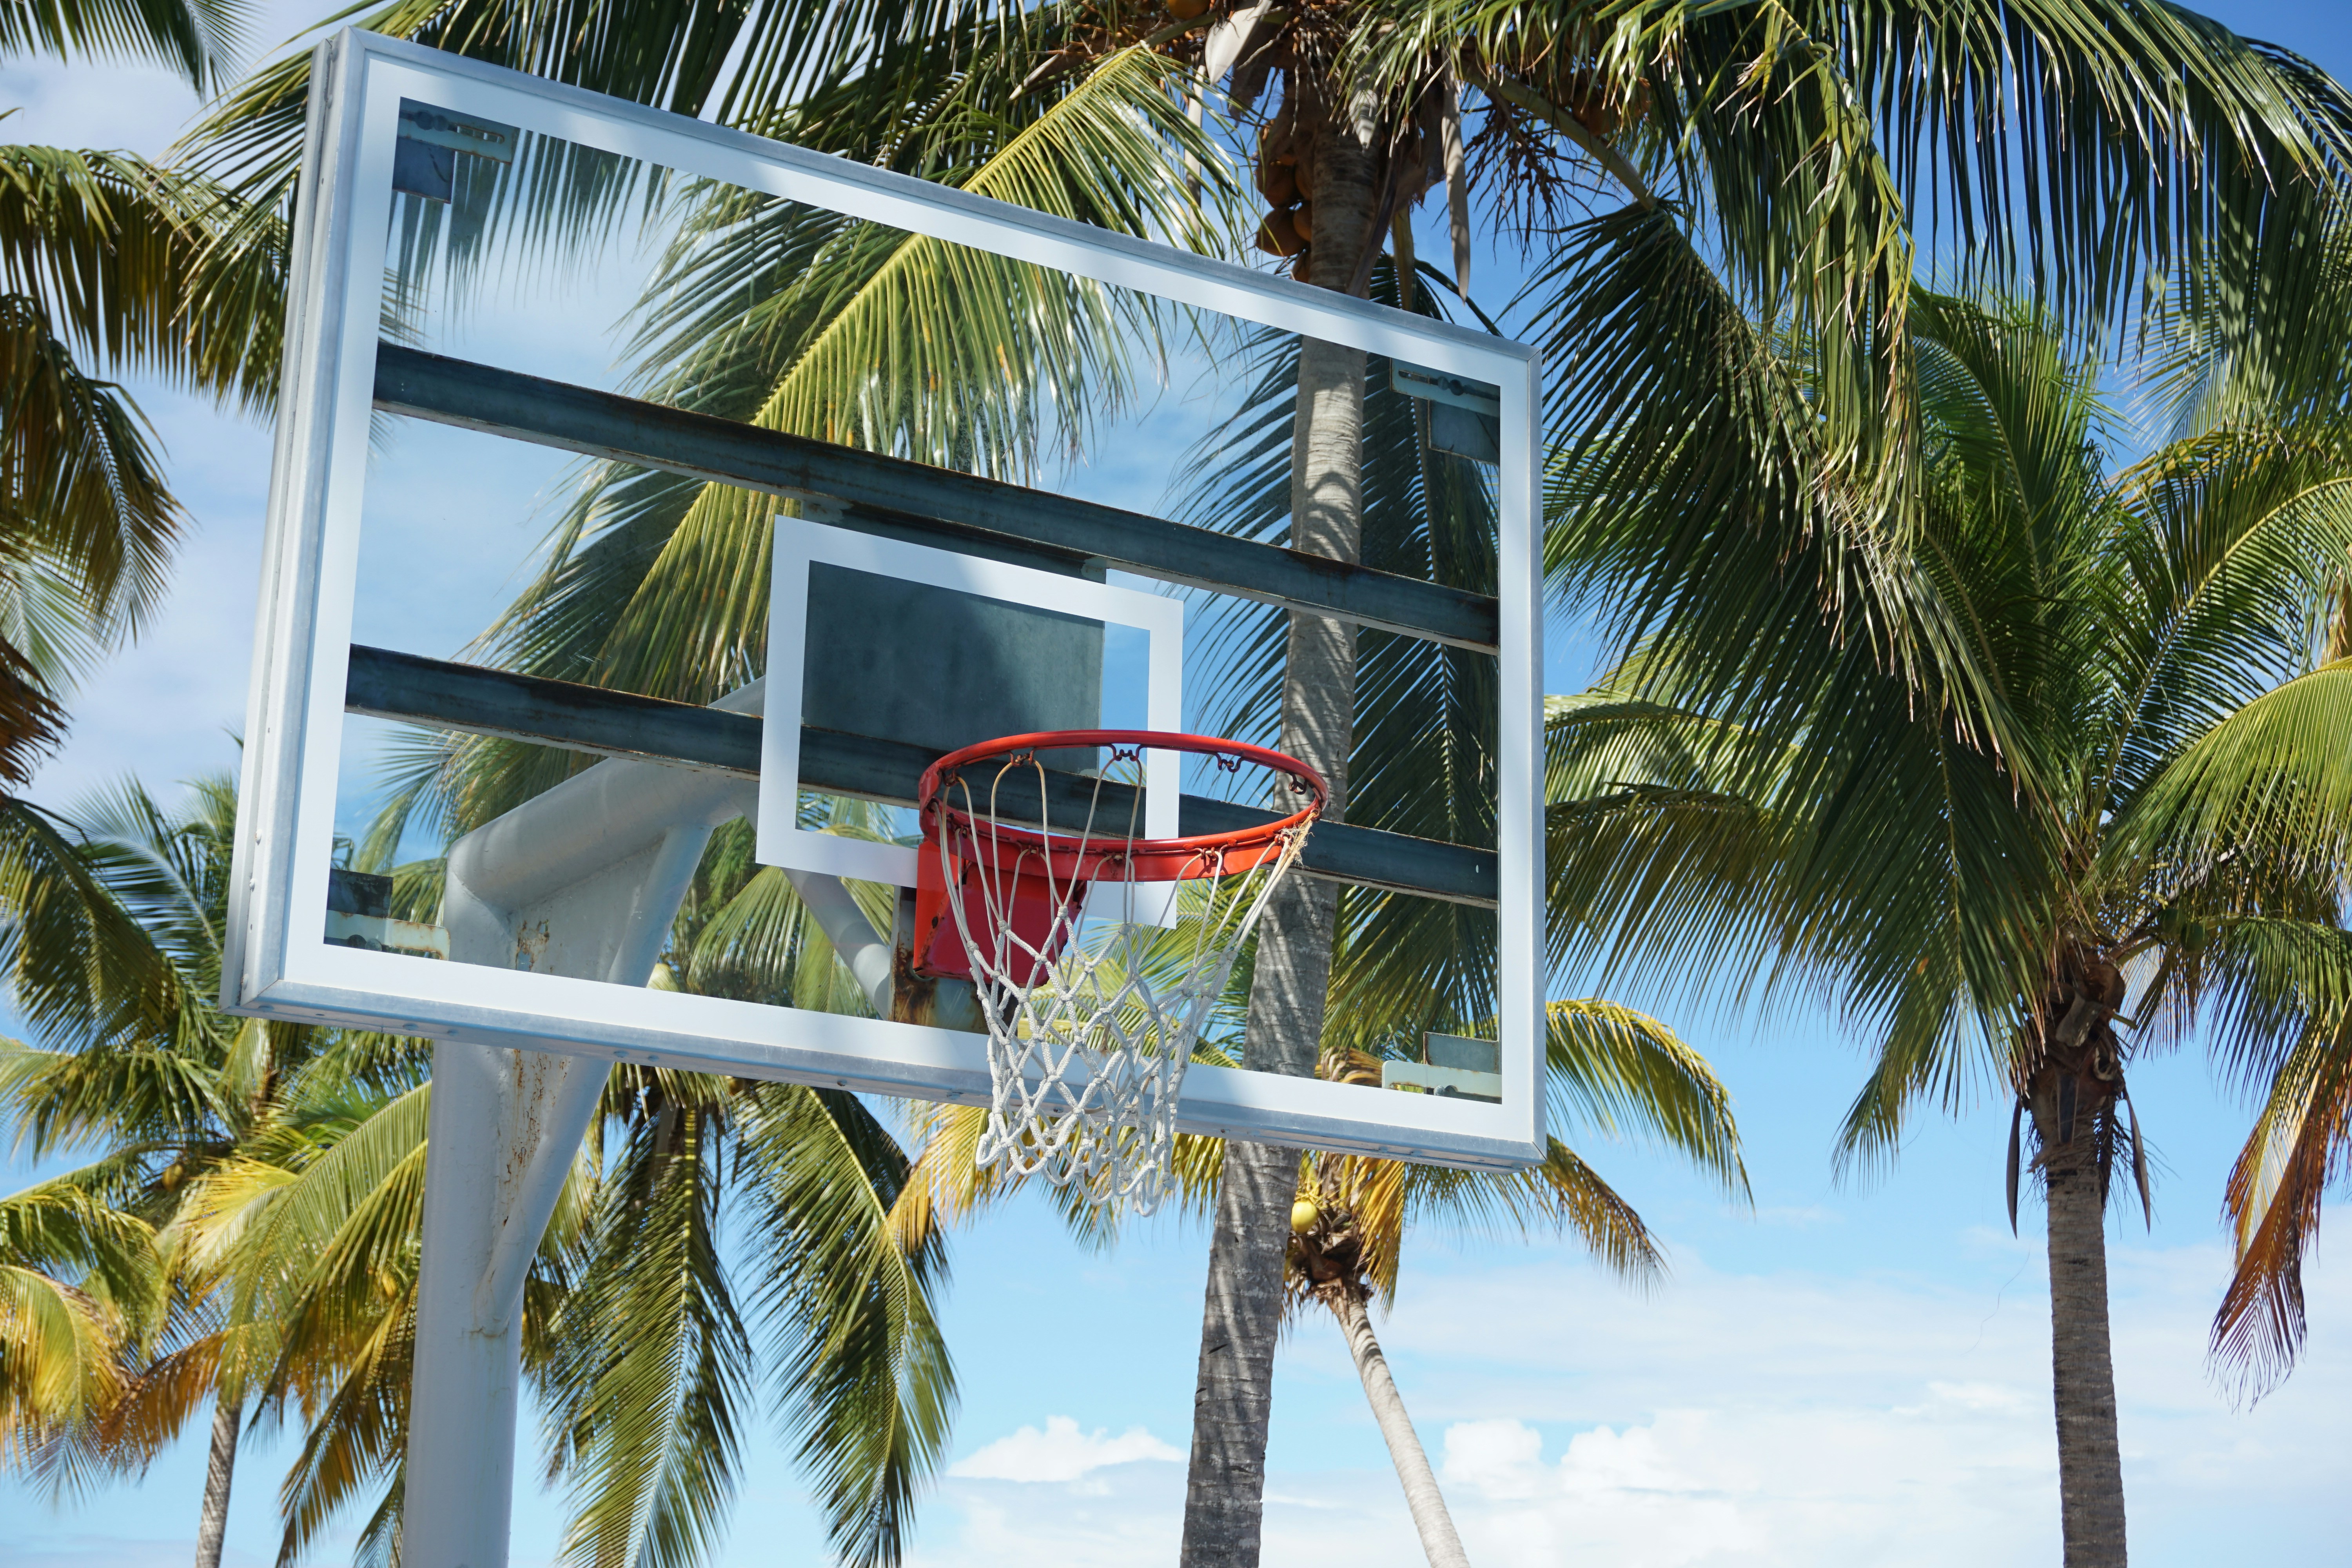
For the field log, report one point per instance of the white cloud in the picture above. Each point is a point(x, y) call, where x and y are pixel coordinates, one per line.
point(1980, 1395)
point(1060, 1453)
point(1074, 1499)
point(1935, 1485)
point(1122, 1515)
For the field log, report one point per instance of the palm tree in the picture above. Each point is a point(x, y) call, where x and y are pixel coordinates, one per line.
point(1348, 1221)
point(1406, 967)
point(104, 258)
point(280, 1173)
point(106, 254)
point(1768, 154)
point(2101, 840)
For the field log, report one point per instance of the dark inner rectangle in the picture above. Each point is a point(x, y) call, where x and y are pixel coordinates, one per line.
point(942, 668)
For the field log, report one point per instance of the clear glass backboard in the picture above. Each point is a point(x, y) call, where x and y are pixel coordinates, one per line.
point(652, 502)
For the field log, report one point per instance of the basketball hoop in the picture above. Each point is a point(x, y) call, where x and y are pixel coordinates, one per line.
point(1089, 1032)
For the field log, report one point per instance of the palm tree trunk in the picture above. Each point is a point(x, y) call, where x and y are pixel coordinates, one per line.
point(2082, 1373)
point(1439, 1543)
point(1233, 1398)
point(1224, 1489)
point(218, 1467)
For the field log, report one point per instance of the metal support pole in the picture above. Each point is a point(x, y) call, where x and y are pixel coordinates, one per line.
point(583, 881)
point(504, 1127)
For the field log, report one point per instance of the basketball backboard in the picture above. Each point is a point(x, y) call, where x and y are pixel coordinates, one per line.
point(910, 608)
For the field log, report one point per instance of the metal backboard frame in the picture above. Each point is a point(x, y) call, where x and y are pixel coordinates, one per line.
point(277, 964)
point(801, 544)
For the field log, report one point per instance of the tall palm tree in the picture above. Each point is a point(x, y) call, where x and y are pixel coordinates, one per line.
point(1403, 966)
point(2109, 845)
point(108, 256)
point(1349, 1218)
point(1770, 154)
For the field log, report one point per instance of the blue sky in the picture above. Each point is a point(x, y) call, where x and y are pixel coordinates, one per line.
point(1848, 1374)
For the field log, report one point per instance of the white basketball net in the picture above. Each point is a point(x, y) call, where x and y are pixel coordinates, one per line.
point(1087, 1054)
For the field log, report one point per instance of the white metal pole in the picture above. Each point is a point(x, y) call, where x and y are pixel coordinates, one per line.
point(504, 1127)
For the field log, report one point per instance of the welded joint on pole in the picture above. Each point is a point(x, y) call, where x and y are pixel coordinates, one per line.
point(554, 1100)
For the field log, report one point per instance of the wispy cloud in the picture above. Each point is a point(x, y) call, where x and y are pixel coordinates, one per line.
point(1060, 1453)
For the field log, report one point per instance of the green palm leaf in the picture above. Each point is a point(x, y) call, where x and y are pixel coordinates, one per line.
point(650, 1373)
point(78, 1282)
point(193, 37)
point(2273, 774)
point(79, 966)
point(136, 264)
point(862, 1369)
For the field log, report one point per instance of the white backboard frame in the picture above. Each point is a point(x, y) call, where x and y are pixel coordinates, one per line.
point(277, 963)
point(801, 544)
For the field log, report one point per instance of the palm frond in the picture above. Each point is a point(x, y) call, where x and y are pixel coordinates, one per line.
point(650, 1373)
point(1622, 1071)
point(664, 54)
point(2231, 542)
point(2273, 779)
point(357, 1431)
point(195, 39)
point(79, 966)
point(2301, 1143)
point(862, 1372)
point(134, 264)
point(77, 1279)
point(79, 481)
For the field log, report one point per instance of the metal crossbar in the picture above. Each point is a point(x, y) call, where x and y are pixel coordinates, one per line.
point(891, 495)
point(446, 695)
